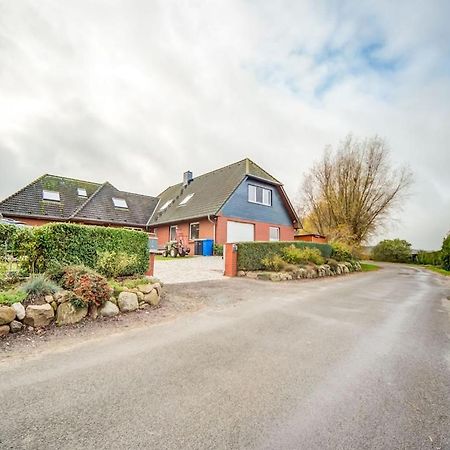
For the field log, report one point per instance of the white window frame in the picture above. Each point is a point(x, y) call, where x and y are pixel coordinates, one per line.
point(266, 195)
point(190, 230)
point(120, 203)
point(277, 229)
point(186, 199)
point(166, 205)
point(170, 232)
point(81, 192)
point(52, 196)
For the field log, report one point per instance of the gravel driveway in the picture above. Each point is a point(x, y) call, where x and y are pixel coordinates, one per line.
point(185, 270)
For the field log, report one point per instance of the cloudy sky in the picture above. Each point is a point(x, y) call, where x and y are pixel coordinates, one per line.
point(138, 91)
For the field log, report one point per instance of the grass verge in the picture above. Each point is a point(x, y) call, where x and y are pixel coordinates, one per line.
point(369, 267)
point(439, 270)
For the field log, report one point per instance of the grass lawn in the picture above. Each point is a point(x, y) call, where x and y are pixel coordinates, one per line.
point(168, 258)
point(437, 270)
point(369, 267)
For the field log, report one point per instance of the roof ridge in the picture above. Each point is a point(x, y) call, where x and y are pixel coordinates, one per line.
point(25, 187)
point(73, 215)
point(71, 179)
point(265, 171)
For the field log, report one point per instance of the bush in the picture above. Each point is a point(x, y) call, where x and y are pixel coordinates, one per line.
point(38, 286)
point(71, 244)
point(115, 264)
point(274, 263)
point(394, 250)
point(341, 252)
point(251, 254)
point(294, 255)
point(10, 297)
point(445, 253)
point(86, 285)
point(218, 249)
point(429, 258)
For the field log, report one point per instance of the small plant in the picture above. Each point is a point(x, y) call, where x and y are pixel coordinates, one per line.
point(341, 252)
point(10, 297)
point(333, 264)
point(92, 289)
point(218, 249)
point(38, 286)
point(274, 263)
point(114, 264)
point(77, 302)
point(295, 255)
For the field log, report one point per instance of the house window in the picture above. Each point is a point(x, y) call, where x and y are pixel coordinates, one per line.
point(194, 231)
point(50, 195)
point(163, 207)
point(82, 192)
point(120, 203)
point(173, 233)
point(260, 195)
point(274, 234)
point(186, 199)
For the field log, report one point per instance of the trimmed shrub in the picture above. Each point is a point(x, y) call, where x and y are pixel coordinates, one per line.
point(341, 252)
point(445, 253)
point(115, 264)
point(429, 258)
point(274, 263)
point(392, 250)
point(71, 244)
point(294, 255)
point(38, 286)
point(251, 254)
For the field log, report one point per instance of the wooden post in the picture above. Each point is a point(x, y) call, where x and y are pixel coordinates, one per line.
point(151, 265)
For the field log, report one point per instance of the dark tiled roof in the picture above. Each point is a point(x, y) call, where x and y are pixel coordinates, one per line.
point(210, 190)
point(97, 206)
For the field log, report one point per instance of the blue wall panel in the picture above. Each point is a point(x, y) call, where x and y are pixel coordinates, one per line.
point(238, 206)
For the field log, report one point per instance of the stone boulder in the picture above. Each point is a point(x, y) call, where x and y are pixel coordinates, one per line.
point(38, 315)
point(109, 309)
point(20, 310)
point(4, 330)
point(15, 326)
point(152, 298)
point(145, 288)
point(48, 298)
point(128, 301)
point(7, 314)
point(62, 296)
point(67, 313)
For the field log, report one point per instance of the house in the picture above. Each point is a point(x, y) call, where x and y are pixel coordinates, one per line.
point(52, 198)
point(239, 202)
point(304, 236)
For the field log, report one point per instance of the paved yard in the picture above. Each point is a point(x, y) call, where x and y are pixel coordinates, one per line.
point(185, 270)
point(356, 362)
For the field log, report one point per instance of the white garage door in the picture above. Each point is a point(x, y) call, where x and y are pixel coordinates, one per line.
point(240, 232)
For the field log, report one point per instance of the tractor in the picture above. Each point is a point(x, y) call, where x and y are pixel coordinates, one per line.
point(177, 247)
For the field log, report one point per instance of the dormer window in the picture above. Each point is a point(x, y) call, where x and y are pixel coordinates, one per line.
point(120, 203)
point(52, 196)
point(186, 199)
point(260, 195)
point(82, 192)
point(166, 205)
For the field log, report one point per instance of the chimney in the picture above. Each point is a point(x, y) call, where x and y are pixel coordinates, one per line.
point(187, 178)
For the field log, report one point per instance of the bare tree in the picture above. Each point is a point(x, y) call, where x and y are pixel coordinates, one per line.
point(351, 192)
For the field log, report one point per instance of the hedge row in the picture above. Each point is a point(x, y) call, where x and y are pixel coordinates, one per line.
point(429, 258)
point(251, 254)
point(445, 253)
point(71, 244)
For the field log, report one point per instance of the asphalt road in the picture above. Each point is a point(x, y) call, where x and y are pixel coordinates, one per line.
point(358, 362)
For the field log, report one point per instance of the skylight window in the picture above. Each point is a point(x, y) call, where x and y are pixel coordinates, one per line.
point(120, 203)
point(82, 192)
point(50, 195)
point(186, 199)
point(165, 206)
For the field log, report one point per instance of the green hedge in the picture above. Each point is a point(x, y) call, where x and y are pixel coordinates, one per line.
point(251, 254)
point(71, 244)
point(15, 240)
point(445, 253)
point(429, 258)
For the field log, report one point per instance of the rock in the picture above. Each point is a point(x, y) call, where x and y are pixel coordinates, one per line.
point(48, 298)
point(152, 298)
point(54, 305)
point(252, 275)
point(93, 311)
point(241, 273)
point(158, 287)
point(67, 313)
point(15, 326)
point(140, 296)
point(264, 276)
point(145, 288)
point(113, 300)
point(4, 330)
point(275, 277)
point(39, 315)
point(109, 309)
point(61, 296)
point(7, 314)
point(127, 301)
point(20, 310)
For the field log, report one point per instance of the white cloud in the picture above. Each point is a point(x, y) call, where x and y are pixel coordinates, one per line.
point(137, 92)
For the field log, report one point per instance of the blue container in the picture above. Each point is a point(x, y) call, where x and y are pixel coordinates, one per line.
point(208, 247)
